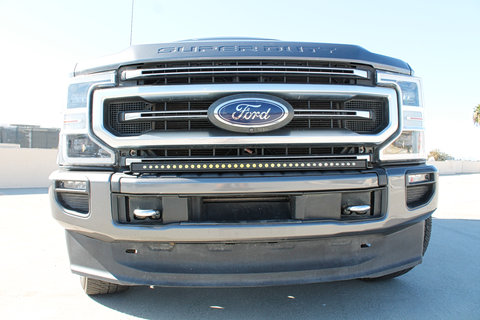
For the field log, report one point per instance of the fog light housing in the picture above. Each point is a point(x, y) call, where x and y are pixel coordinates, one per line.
point(420, 188)
point(73, 196)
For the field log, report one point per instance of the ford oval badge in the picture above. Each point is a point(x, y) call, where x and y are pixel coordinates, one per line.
point(250, 113)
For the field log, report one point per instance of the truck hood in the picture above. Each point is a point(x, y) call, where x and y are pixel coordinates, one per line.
point(244, 48)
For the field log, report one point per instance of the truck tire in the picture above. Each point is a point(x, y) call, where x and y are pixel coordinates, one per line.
point(95, 287)
point(426, 239)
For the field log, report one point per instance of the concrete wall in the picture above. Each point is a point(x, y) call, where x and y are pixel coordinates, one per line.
point(26, 168)
point(454, 167)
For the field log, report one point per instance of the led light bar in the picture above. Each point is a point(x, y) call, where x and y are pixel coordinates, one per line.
point(225, 166)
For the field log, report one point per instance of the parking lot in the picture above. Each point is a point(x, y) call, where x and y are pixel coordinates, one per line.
point(36, 282)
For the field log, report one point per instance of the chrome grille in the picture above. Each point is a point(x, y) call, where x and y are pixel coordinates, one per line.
point(320, 109)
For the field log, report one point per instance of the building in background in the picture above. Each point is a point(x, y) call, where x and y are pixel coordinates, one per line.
point(29, 136)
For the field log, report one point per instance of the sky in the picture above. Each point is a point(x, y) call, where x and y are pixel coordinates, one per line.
point(42, 41)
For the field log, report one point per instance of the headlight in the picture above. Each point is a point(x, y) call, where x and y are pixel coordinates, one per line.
point(410, 88)
point(410, 93)
point(410, 144)
point(76, 145)
point(80, 88)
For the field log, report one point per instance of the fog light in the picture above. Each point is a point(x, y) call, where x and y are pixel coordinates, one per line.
point(422, 177)
point(69, 184)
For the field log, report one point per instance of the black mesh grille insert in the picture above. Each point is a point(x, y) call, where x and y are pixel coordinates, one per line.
point(419, 195)
point(365, 125)
point(74, 201)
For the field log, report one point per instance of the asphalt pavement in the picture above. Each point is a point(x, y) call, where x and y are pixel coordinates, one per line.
point(36, 282)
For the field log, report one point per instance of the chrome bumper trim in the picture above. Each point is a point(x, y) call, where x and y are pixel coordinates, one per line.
point(190, 186)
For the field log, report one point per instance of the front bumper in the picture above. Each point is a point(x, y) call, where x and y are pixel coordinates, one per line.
point(242, 254)
point(246, 264)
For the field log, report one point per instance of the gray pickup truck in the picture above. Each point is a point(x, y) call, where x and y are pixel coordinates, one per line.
point(242, 162)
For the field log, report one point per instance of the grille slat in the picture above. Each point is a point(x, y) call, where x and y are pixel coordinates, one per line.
point(250, 153)
point(249, 71)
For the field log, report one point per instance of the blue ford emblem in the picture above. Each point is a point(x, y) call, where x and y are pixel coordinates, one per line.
point(250, 113)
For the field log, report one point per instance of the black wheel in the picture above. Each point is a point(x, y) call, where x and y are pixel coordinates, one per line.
point(94, 286)
point(426, 239)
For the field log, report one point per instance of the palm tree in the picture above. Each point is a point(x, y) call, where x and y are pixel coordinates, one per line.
point(476, 115)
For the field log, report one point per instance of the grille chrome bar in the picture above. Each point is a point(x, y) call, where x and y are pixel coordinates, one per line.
point(201, 114)
point(341, 114)
point(207, 70)
point(163, 115)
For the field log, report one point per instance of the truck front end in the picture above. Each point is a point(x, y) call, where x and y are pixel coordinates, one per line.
point(243, 162)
